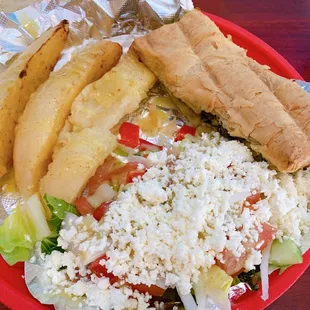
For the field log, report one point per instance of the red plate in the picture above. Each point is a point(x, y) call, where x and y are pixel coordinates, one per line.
point(13, 291)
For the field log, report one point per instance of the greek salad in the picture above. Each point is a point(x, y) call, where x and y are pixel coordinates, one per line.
point(190, 224)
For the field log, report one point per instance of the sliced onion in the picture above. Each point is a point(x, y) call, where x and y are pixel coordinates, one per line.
point(161, 283)
point(220, 302)
point(264, 272)
point(187, 300)
point(104, 193)
point(140, 160)
point(201, 297)
point(88, 257)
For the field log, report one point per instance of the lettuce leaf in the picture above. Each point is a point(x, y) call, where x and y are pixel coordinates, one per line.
point(49, 244)
point(22, 229)
point(59, 208)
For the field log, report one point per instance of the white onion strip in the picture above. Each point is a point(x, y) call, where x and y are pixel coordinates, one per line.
point(104, 193)
point(264, 273)
point(187, 300)
point(200, 296)
point(140, 160)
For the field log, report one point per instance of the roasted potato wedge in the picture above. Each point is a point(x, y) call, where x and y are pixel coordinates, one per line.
point(76, 162)
point(21, 79)
point(99, 107)
point(48, 109)
point(116, 94)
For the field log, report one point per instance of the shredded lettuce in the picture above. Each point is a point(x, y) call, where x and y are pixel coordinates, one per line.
point(49, 244)
point(22, 229)
point(251, 278)
point(59, 209)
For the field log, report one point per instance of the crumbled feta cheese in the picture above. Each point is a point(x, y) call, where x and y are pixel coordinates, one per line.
point(178, 220)
point(140, 166)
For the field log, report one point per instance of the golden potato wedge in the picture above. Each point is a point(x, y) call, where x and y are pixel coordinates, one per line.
point(48, 109)
point(76, 162)
point(116, 94)
point(99, 107)
point(21, 79)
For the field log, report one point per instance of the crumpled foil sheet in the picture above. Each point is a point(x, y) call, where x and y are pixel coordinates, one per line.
point(119, 20)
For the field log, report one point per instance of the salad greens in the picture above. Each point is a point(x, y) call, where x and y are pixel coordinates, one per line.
point(49, 244)
point(27, 224)
point(58, 208)
point(22, 229)
point(170, 299)
point(251, 278)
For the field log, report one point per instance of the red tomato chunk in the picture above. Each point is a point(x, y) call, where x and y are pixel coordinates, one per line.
point(148, 146)
point(135, 174)
point(232, 265)
point(152, 290)
point(101, 271)
point(101, 175)
point(183, 131)
point(101, 210)
point(83, 206)
point(129, 135)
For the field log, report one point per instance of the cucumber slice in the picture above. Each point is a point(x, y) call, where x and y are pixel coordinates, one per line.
point(285, 253)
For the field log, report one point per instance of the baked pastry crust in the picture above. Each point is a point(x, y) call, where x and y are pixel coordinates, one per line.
point(200, 66)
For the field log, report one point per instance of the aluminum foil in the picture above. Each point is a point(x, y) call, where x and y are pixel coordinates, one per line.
point(121, 20)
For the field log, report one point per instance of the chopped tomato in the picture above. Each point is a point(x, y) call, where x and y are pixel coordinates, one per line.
point(129, 135)
point(152, 290)
point(83, 206)
point(135, 174)
point(148, 146)
point(101, 210)
point(183, 131)
point(232, 265)
point(252, 200)
point(108, 173)
point(101, 271)
point(265, 236)
point(119, 176)
point(101, 175)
